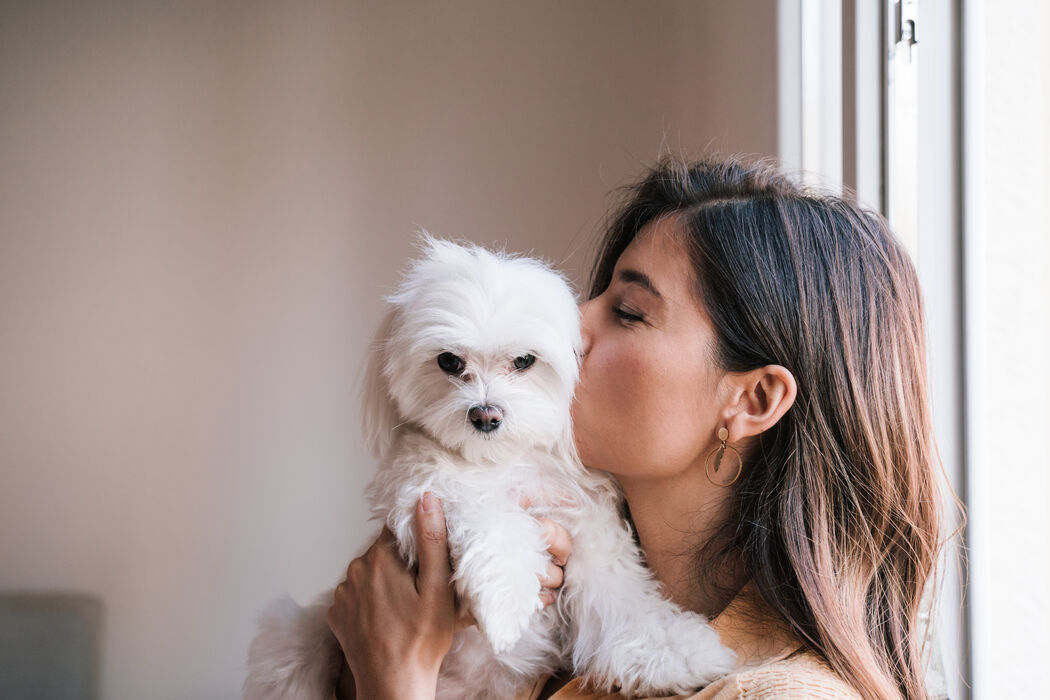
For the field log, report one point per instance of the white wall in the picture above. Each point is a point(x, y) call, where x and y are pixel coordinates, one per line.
point(1010, 473)
point(200, 206)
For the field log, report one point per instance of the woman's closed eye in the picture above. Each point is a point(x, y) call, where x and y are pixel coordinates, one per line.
point(627, 316)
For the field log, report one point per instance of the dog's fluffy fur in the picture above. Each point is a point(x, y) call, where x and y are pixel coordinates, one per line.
point(611, 623)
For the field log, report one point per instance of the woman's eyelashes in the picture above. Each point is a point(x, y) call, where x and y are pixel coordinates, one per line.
point(627, 316)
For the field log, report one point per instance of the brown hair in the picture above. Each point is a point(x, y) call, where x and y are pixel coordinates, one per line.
point(836, 515)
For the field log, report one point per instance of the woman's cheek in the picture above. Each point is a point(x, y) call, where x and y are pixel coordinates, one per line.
point(617, 415)
point(596, 411)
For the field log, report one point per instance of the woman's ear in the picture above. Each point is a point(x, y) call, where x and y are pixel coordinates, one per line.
point(379, 416)
point(757, 400)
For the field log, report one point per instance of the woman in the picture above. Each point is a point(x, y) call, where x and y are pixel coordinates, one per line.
point(754, 377)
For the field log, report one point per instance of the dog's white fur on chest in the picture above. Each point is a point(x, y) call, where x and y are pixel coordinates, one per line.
point(467, 396)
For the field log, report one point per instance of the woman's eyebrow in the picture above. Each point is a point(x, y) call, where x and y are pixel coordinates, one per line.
point(641, 279)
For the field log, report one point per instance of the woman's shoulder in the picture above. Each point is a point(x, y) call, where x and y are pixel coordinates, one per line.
point(803, 675)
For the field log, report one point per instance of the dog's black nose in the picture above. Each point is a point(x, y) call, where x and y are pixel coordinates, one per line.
point(485, 418)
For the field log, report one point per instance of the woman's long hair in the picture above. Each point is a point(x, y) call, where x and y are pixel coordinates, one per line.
point(837, 513)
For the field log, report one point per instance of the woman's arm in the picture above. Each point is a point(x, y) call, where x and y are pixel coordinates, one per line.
point(395, 625)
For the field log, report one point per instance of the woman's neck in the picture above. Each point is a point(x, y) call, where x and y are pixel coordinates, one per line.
point(674, 518)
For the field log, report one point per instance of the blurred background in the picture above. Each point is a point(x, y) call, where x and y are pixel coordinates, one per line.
point(202, 203)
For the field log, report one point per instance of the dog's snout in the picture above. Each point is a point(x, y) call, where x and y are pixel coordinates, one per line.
point(485, 418)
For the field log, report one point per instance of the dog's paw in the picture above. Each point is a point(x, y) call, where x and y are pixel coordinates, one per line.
point(692, 657)
point(663, 655)
point(503, 616)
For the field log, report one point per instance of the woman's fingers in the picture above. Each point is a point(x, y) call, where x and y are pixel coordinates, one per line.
point(550, 582)
point(385, 548)
point(560, 543)
point(554, 577)
point(560, 548)
point(435, 571)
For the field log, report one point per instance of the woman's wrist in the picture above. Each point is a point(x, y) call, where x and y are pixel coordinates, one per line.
point(346, 689)
point(417, 685)
point(409, 681)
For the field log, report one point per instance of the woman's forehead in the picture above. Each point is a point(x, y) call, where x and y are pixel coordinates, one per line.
point(658, 254)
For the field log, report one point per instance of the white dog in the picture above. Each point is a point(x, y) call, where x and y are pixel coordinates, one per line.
point(468, 395)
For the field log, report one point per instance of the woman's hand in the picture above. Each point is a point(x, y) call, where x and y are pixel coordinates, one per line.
point(396, 626)
point(560, 547)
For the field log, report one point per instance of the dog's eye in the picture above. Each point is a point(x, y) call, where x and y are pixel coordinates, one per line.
point(524, 362)
point(452, 364)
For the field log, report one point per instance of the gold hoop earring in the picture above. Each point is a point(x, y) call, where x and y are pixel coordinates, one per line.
point(719, 454)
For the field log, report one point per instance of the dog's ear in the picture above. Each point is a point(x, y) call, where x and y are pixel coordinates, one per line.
point(379, 416)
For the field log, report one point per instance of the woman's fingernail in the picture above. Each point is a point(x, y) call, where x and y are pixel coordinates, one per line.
point(429, 502)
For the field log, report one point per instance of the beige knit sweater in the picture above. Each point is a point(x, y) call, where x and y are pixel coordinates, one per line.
point(771, 665)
